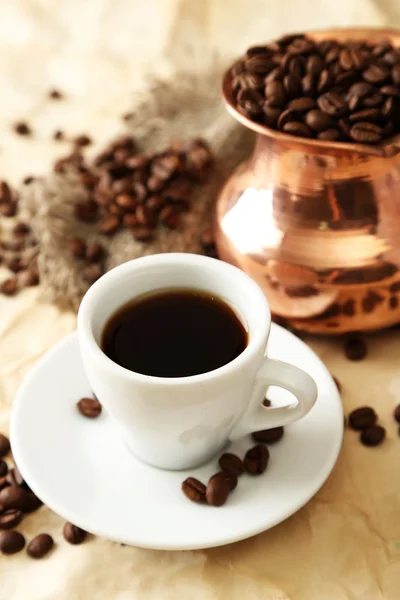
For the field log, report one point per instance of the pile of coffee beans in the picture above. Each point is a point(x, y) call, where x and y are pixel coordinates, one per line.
point(328, 90)
point(125, 190)
point(220, 485)
point(137, 191)
point(16, 501)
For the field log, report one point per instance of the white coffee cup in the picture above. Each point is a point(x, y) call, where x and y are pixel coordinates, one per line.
point(179, 423)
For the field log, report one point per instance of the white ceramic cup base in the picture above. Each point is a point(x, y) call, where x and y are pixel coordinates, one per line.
point(178, 423)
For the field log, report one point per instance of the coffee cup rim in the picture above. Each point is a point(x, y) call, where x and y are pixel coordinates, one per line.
point(108, 280)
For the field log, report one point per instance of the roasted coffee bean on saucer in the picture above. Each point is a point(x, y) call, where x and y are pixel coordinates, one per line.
point(362, 417)
point(268, 436)
point(90, 408)
point(232, 464)
point(256, 460)
point(231, 479)
point(195, 490)
point(218, 490)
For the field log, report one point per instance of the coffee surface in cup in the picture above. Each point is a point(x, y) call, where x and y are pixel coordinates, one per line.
point(174, 333)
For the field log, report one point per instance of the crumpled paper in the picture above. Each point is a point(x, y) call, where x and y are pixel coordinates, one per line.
point(345, 543)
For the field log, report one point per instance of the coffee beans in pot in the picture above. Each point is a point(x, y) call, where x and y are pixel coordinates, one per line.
point(329, 90)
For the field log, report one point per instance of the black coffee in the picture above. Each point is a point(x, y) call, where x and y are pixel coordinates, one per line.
point(174, 333)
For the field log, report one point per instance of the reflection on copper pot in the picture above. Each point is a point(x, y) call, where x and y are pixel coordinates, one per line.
point(317, 224)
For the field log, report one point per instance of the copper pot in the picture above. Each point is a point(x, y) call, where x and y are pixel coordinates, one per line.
point(317, 224)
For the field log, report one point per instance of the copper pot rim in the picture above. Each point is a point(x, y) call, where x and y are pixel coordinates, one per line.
point(373, 33)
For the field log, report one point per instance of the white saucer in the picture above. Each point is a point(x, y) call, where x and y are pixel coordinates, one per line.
point(83, 471)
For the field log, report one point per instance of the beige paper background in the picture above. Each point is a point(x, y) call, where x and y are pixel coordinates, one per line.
point(345, 544)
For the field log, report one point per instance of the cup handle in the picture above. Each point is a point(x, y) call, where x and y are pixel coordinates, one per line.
point(288, 377)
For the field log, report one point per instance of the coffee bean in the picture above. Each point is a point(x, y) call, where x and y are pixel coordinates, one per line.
point(73, 534)
point(292, 85)
point(11, 542)
point(22, 128)
point(126, 201)
point(86, 211)
point(390, 107)
point(170, 217)
point(33, 503)
point(256, 460)
point(141, 233)
point(373, 436)
point(376, 73)
point(58, 135)
point(4, 445)
point(329, 135)
point(355, 348)
point(146, 216)
point(363, 417)
point(302, 104)
point(368, 114)
point(77, 247)
point(390, 90)
point(21, 229)
point(109, 225)
point(14, 497)
point(14, 264)
point(89, 408)
point(10, 518)
point(3, 484)
point(40, 545)
point(396, 413)
point(230, 463)
point(315, 64)
point(8, 210)
point(366, 133)
point(229, 478)
point(9, 286)
point(332, 103)
point(217, 491)
point(268, 436)
point(396, 74)
point(309, 84)
point(95, 252)
point(348, 308)
point(373, 101)
point(362, 89)
point(82, 140)
point(318, 121)
point(259, 63)
point(301, 46)
point(297, 128)
point(266, 402)
point(3, 468)
point(56, 95)
point(92, 273)
point(194, 490)
point(325, 81)
point(275, 94)
point(287, 116)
